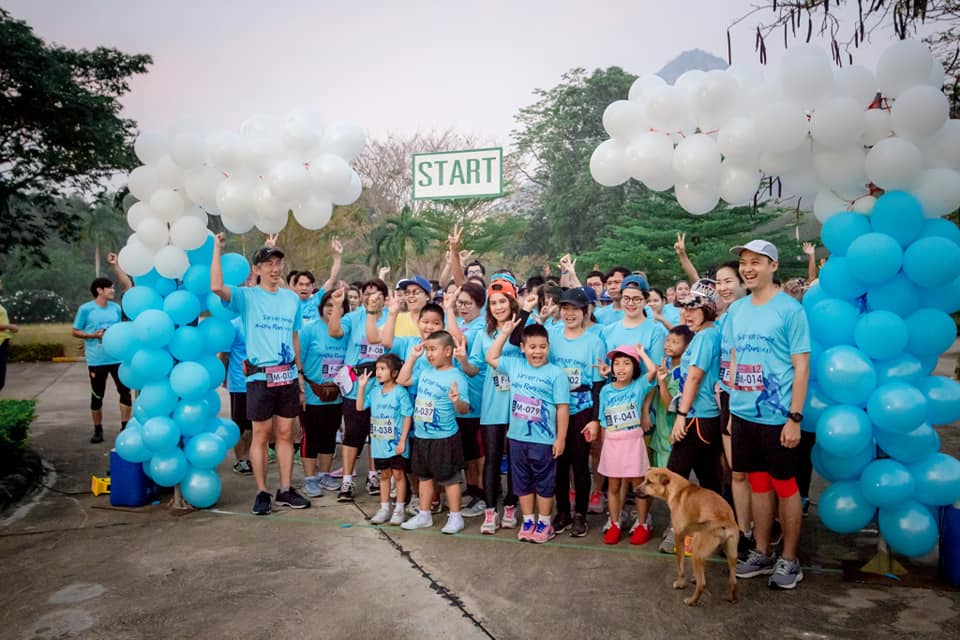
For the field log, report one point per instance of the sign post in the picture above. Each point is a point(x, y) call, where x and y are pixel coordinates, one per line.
point(452, 175)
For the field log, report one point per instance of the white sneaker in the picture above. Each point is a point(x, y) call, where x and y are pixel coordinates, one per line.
point(454, 524)
point(423, 520)
point(312, 487)
point(381, 516)
point(373, 485)
point(509, 520)
point(489, 526)
point(397, 518)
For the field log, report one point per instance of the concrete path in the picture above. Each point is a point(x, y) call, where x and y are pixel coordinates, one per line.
point(75, 567)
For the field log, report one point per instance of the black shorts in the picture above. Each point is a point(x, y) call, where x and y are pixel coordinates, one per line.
point(394, 462)
point(318, 427)
point(356, 425)
point(98, 385)
point(263, 402)
point(439, 459)
point(724, 412)
point(470, 437)
point(756, 447)
point(238, 410)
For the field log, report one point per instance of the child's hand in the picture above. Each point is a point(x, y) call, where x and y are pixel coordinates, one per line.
point(646, 423)
point(809, 248)
point(364, 378)
point(221, 240)
point(603, 368)
point(460, 351)
point(401, 446)
point(271, 240)
point(591, 431)
point(662, 371)
point(510, 325)
point(454, 394)
point(680, 246)
point(335, 246)
point(558, 446)
point(417, 350)
point(679, 430)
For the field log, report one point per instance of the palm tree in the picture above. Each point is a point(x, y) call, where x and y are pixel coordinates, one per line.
point(102, 225)
point(391, 239)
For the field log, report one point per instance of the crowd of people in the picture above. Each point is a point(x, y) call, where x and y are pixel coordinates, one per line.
point(568, 391)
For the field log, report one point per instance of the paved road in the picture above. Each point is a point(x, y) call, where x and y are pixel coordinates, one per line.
point(75, 567)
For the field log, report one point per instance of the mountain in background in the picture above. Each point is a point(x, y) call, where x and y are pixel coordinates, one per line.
point(688, 60)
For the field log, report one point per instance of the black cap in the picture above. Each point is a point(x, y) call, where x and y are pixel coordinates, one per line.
point(265, 252)
point(576, 297)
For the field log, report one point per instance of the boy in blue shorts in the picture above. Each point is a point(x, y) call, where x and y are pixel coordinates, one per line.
point(539, 416)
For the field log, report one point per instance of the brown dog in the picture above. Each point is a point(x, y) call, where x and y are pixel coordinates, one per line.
point(702, 514)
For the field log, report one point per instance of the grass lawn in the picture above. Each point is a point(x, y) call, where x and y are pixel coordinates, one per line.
point(49, 332)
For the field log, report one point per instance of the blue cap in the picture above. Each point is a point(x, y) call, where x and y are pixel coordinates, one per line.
point(636, 281)
point(419, 281)
point(590, 293)
point(605, 297)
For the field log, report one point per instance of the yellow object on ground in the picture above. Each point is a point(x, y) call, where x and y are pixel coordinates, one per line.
point(99, 486)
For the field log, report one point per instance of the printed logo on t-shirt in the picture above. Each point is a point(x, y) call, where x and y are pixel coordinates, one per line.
point(622, 417)
point(749, 377)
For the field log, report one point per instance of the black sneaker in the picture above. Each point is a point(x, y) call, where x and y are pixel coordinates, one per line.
point(561, 521)
point(261, 506)
point(290, 498)
point(579, 525)
point(346, 492)
point(744, 545)
point(243, 468)
point(97, 436)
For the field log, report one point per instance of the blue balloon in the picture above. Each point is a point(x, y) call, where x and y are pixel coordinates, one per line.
point(937, 479)
point(909, 447)
point(881, 334)
point(190, 380)
point(931, 332)
point(816, 350)
point(842, 229)
point(874, 258)
point(903, 368)
point(196, 279)
point(832, 322)
point(215, 370)
point(218, 308)
point(843, 430)
point(228, 431)
point(204, 253)
point(899, 215)
point(943, 399)
point(161, 434)
point(169, 467)
point(152, 279)
point(130, 445)
point(129, 377)
point(235, 269)
point(150, 365)
point(945, 297)
point(898, 295)
point(886, 483)
point(940, 228)
point(909, 528)
point(213, 401)
point(816, 404)
point(153, 328)
point(898, 407)
point(187, 344)
point(155, 399)
point(932, 261)
point(182, 307)
point(812, 296)
point(205, 451)
point(217, 334)
point(838, 280)
point(120, 341)
point(193, 416)
point(201, 487)
point(847, 467)
point(138, 299)
point(846, 375)
point(843, 507)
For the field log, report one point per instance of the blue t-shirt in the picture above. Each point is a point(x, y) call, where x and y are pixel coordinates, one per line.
point(703, 353)
point(91, 318)
point(670, 313)
point(387, 411)
point(236, 381)
point(724, 375)
point(495, 397)
point(621, 409)
point(649, 333)
point(535, 393)
point(321, 355)
point(578, 359)
point(402, 346)
point(434, 415)
point(359, 350)
point(608, 315)
point(471, 331)
point(765, 337)
point(309, 308)
point(269, 320)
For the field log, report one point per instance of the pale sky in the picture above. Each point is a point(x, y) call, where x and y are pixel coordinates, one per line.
point(388, 66)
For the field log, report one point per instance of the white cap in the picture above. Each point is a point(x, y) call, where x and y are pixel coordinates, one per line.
point(762, 247)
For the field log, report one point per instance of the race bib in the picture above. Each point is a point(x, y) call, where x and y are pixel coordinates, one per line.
point(280, 375)
point(725, 372)
point(574, 376)
point(622, 417)
point(381, 428)
point(526, 408)
point(371, 351)
point(423, 411)
point(749, 377)
point(501, 382)
point(329, 367)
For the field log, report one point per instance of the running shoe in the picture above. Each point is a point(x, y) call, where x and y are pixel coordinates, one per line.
point(381, 516)
point(261, 505)
point(423, 520)
point(668, 544)
point(489, 526)
point(612, 534)
point(561, 521)
point(756, 564)
point(311, 487)
point(271, 455)
point(243, 467)
point(526, 531)
point(596, 503)
point(373, 485)
point(290, 498)
point(337, 473)
point(346, 492)
point(579, 528)
point(413, 507)
point(397, 518)
point(509, 520)
point(436, 506)
point(543, 532)
point(454, 524)
point(641, 534)
point(786, 574)
point(744, 545)
point(328, 482)
point(475, 507)
point(97, 437)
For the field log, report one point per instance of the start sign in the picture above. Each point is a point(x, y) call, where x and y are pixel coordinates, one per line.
point(449, 175)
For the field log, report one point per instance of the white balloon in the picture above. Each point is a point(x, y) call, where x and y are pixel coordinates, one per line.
point(240, 223)
point(267, 204)
point(187, 149)
point(201, 185)
point(143, 181)
point(697, 199)
point(171, 262)
point(135, 259)
point(876, 126)
point(608, 163)
point(226, 150)
point(738, 184)
point(748, 75)
point(904, 64)
point(864, 204)
point(643, 85)
point(804, 186)
point(196, 212)
point(350, 193)
point(697, 160)
point(894, 164)
point(938, 191)
point(330, 174)
point(806, 74)
point(152, 233)
point(798, 160)
point(166, 204)
point(919, 112)
point(668, 109)
point(301, 138)
point(188, 233)
point(780, 126)
point(137, 213)
point(943, 148)
point(314, 213)
point(624, 119)
point(738, 141)
point(235, 197)
point(837, 123)
point(857, 83)
point(842, 170)
point(269, 224)
point(938, 75)
point(169, 175)
point(715, 100)
point(827, 204)
point(261, 126)
point(650, 156)
point(288, 179)
point(150, 146)
point(689, 81)
point(344, 139)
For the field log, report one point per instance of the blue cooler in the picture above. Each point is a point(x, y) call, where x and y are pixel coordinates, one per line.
point(129, 485)
point(950, 545)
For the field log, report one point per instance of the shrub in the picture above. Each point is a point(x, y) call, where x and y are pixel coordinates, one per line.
point(36, 305)
point(15, 419)
point(36, 352)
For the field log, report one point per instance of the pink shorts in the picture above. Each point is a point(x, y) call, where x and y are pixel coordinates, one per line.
point(624, 454)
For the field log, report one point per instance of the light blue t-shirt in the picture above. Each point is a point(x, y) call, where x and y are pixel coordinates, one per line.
point(309, 310)
point(91, 318)
point(670, 313)
point(387, 411)
point(402, 346)
point(495, 398)
point(471, 331)
point(765, 337)
point(724, 375)
point(236, 381)
point(434, 415)
point(649, 333)
point(703, 353)
point(621, 409)
point(359, 350)
point(269, 320)
point(578, 359)
point(535, 393)
point(321, 355)
point(608, 315)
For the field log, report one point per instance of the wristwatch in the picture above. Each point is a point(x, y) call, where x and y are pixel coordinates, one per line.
point(796, 417)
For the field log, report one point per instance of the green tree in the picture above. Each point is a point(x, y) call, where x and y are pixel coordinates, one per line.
point(392, 240)
point(104, 227)
point(60, 132)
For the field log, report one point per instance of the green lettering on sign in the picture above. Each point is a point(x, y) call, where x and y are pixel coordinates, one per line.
point(427, 180)
point(457, 174)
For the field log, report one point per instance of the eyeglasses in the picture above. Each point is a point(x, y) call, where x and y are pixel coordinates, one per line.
point(463, 304)
point(632, 299)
